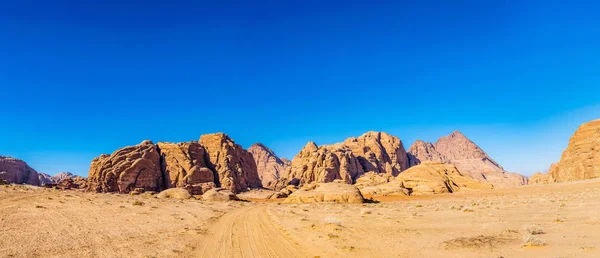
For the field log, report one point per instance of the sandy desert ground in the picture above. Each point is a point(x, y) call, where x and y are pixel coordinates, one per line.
point(558, 220)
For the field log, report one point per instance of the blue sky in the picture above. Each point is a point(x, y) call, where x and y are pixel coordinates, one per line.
point(82, 78)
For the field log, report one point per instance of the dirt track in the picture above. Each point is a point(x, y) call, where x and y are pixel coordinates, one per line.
point(248, 232)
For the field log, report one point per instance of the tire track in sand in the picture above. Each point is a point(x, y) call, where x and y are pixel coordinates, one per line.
point(248, 232)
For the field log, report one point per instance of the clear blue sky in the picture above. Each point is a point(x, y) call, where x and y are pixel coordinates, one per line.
point(82, 78)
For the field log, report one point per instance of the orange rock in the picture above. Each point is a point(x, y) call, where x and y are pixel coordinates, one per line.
point(581, 159)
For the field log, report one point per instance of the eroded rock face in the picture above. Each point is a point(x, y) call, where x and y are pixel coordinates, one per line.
point(270, 168)
point(539, 178)
point(379, 152)
point(235, 166)
point(336, 192)
point(458, 150)
point(196, 166)
point(127, 169)
point(375, 152)
point(16, 171)
point(324, 164)
point(581, 159)
point(185, 164)
point(45, 179)
point(424, 151)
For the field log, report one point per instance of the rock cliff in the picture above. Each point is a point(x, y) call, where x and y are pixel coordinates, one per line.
point(581, 159)
point(16, 171)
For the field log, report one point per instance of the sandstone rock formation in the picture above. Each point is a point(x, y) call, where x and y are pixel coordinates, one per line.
point(371, 152)
point(215, 161)
point(336, 192)
point(269, 167)
point(174, 193)
point(45, 179)
point(185, 165)
point(379, 152)
point(219, 195)
point(426, 178)
point(424, 151)
point(458, 150)
point(434, 178)
point(581, 159)
point(324, 164)
point(61, 176)
point(235, 166)
point(16, 171)
point(126, 169)
point(539, 178)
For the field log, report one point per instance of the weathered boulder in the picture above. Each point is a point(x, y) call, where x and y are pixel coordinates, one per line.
point(336, 192)
point(434, 178)
point(581, 159)
point(235, 166)
point(269, 167)
point(16, 171)
point(174, 193)
point(458, 150)
point(126, 169)
point(185, 165)
point(219, 195)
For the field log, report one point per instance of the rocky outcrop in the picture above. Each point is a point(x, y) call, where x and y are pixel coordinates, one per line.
point(581, 159)
point(215, 161)
point(458, 150)
point(336, 192)
point(126, 169)
point(270, 168)
point(424, 151)
point(426, 178)
point(62, 175)
point(379, 152)
point(435, 178)
point(16, 171)
point(374, 152)
point(185, 165)
point(45, 179)
point(235, 166)
point(324, 164)
point(539, 178)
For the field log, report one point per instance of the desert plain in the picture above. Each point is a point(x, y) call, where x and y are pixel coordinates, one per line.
point(553, 220)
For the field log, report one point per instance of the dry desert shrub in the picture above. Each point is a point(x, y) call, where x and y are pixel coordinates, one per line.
point(534, 229)
point(467, 209)
point(332, 220)
point(137, 203)
point(365, 212)
point(480, 241)
point(530, 240)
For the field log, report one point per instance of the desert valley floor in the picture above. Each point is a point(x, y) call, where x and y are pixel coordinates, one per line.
point(564, 218)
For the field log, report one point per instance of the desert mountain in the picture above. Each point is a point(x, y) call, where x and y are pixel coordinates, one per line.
point(269, 167)
point(375, 152)
point(581, 159)
point(16, 171)
point(213, 161)
point(47, 179)
point(470, 159)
